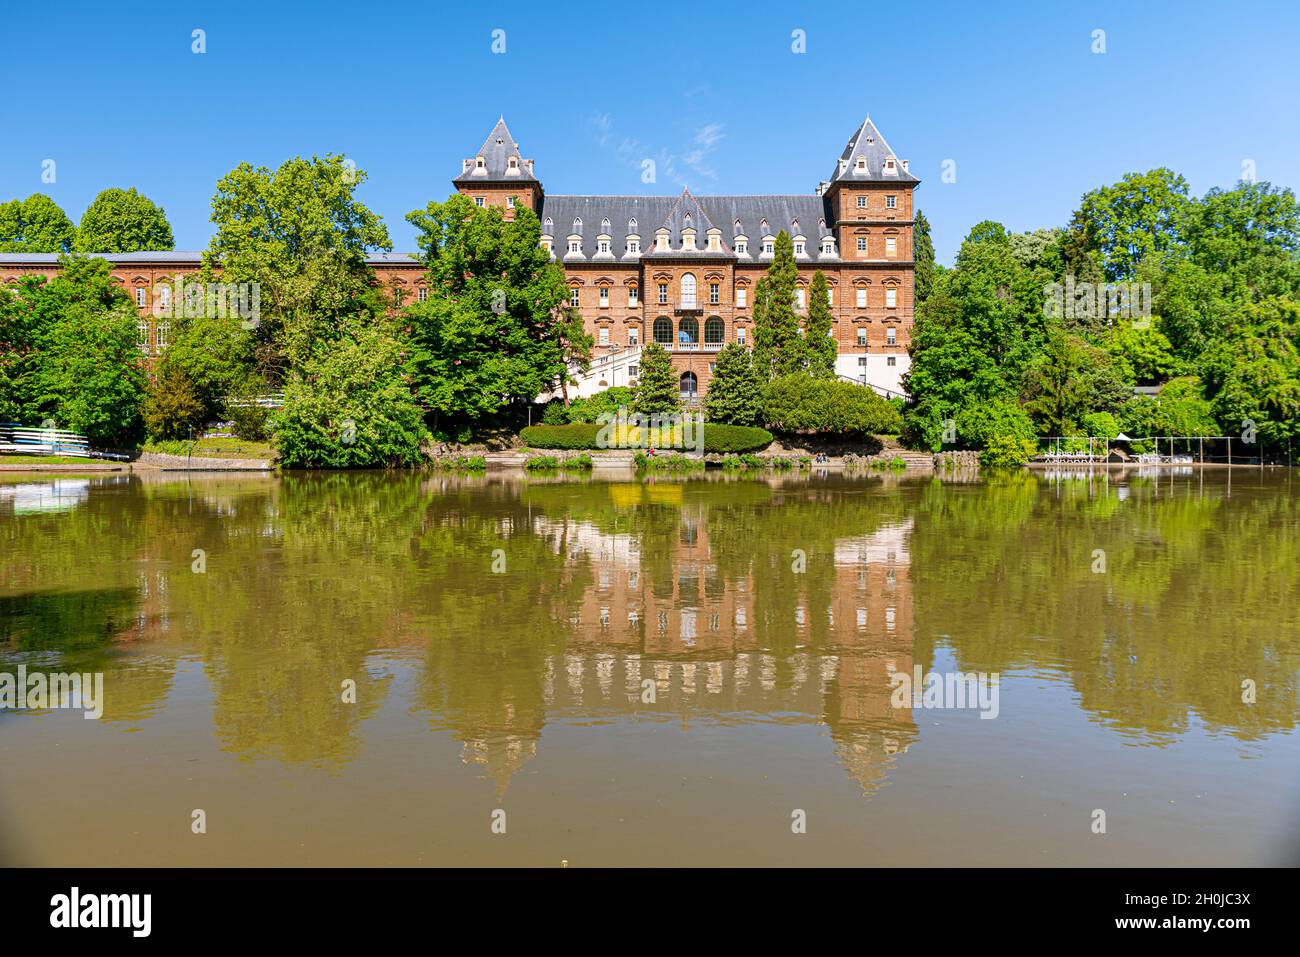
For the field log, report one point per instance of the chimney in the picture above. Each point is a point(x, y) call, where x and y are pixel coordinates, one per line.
point(904, 166)
point(529, 164)
point(464, 165)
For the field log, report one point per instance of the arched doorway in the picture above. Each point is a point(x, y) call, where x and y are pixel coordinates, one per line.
point(690, 386)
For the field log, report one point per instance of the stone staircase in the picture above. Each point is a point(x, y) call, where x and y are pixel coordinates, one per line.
point(916, 461)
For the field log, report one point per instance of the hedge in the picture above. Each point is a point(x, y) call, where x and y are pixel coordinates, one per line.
point(717, 438)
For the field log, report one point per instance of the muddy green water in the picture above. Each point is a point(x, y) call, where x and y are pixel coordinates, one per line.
point(653, 673)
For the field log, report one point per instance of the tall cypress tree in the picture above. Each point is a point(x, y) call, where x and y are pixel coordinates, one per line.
point(923, 256)
point(777, 349)
point(819, 347)
point(735, 394)
point(656, 387)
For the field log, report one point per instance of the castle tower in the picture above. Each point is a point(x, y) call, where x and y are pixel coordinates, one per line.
point(498, 175)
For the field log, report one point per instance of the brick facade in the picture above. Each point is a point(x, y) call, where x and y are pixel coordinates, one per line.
point(856, 228)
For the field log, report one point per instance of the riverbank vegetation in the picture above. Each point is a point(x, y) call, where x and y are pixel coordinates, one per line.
point(1150, 313)
point(1052, 332)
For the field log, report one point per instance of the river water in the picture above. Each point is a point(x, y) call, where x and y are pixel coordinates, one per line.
point(415, 669)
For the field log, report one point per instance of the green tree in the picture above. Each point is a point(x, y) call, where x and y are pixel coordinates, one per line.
point(123, 221)
point(173, 408)
point(1143, 353)
point(657, 389)
point(213, 355)
point(978, 424)
point(923, 256)
point(35, 225)
point(349, 406)
point(90, 377)
point(777, 348)
point(300, 233)
point(1069, 379)
point(1254, 376)
point(819, 345)
point(735, 395)
point(1142, 216)
point(497, 326)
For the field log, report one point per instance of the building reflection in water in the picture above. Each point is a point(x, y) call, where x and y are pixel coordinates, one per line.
point(691, 633)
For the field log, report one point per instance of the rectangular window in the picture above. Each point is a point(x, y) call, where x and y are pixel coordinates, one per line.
point(862, 244)
point(632, 339)
point(891, 361)
point(604, 335)
point(422, 293)
point(139, 296)
point(573, 297)
point(830, 296)
point(632, 371)
point(740, 336)
point(742, 248)
point(862, 297)
point(164, 333)
point(798, 249)
point(767, 249)
point(165, 296)
point(862, 336)
point(862, 202)
point(634, 245)
point(603, 247)
point(510, 202)
point(891, 297)
point(891, 246)
point(604, 297)
point(798, 298)
point(891, 202)
point(663, 294)
point(740, 297)
point(891, 336)
point(478, 200)
point(714, 297)
point(142, 335)
point(631, 296)
point(862, 362)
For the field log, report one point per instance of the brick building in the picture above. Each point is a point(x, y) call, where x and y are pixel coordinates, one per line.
point(679, 270)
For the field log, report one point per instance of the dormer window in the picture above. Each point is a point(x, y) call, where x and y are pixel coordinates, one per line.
point(514, 164)
point(742, 247)
point(604, 225)
point(577, 225)
point(889, 165)
point(737, 228)
point(575, 245)
point(799, 248)
point(794, 226)
point(634, 246)
point(479, 164)
point(631, 225)
point(768, 247)
point(862, 164)
point(763, 225)
point(828, 247)
point(602, 247)
point(548, 226)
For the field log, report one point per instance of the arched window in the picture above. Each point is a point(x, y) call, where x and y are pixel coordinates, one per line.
point(664, 331)
point(690, 385)
point(713, 329)
point(688, 289)
point(688, 330)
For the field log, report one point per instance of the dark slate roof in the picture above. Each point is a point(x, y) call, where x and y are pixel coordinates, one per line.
point(758, 216)
point(869, 144)
point(496, 152)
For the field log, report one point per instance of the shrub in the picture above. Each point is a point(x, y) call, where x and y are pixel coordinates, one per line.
point(799, 403)
point(555, 413)
point(536, 463)
point(1100, 425)
point(349, 407)
point(668, 463)
point(173, 407)
point(717, 438)
point(979, 423)
point(249, 421)
point(1007, 451)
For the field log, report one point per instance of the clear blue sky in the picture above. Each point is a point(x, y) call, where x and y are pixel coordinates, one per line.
point(1011, 92)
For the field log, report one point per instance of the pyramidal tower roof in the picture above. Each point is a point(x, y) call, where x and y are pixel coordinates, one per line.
point(868, 158)
point(492, 163)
